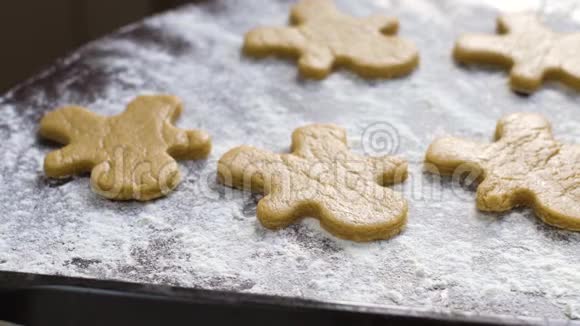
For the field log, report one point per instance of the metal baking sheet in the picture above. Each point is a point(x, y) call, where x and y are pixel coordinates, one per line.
point(450, 257)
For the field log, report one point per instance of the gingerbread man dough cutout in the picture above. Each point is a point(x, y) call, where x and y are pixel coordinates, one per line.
point(531, 50)
point(323, 37)
point(321, 178)
point(526, 166)
point(130, 155)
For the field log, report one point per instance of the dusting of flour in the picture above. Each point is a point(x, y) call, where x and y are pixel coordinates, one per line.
point(451, 257)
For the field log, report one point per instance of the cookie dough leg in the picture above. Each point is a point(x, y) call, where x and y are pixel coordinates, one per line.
point(526, 77)
point(389, 60)
point(561, 211)
point(108, 180)
point(496, 195)
point(482, 49)
point(153, 179)
point(124, 177)
point(378, 222)
point(276, 211)
point(569, 68)
point(316, 62)
point(446, 155)
point(570, 73)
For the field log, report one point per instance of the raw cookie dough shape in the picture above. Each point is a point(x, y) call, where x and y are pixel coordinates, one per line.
point(322, 37)
point(130, 155)
point(526, 166)
point(323, 179)
point(531, 50)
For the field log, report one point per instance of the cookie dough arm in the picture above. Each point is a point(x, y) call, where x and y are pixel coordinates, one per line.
point(264, 41)
point(445, 155)
point(519, 23)
point(389, 170)
point(63, 125)
point(181, 144)
point(387, 25)
point(69, 160)
point(187, 144)
point(250, 169)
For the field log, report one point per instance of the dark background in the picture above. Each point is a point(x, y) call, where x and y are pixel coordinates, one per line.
point(33, 33)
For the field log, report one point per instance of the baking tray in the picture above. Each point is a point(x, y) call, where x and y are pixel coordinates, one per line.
point(450, 257)
point(38, 300)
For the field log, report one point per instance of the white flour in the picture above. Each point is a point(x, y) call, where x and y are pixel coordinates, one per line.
point(450, 257)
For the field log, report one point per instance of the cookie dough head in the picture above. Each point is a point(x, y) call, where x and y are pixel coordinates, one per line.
point(309, 10)
point(526, 166)
point(321, 178)
point(531, 50)
point(131, 155)
point(322, 38)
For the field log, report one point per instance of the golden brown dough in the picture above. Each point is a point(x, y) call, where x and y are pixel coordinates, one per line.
point(322, 37)
point(531, 50)
point(130, 155)
point(526, 166)
point(323, 179)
